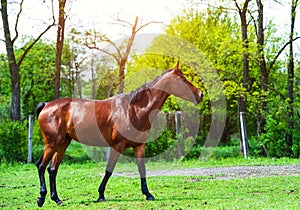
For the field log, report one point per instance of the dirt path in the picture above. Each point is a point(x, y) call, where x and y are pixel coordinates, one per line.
point(226, 172)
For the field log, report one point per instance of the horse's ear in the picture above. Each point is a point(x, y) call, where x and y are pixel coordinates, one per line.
point(176, 68)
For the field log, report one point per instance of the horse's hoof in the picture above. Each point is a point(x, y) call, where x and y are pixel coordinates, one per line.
point(40, 201)
point(59, 203)
point(100, 200)
point(150, 198)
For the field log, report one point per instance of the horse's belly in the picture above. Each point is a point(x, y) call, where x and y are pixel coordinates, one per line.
point(92, 141)
point(91, 135)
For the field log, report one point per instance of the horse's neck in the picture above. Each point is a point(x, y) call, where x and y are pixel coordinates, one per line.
point(146, 108)
point(158, 98)
point(160, 93)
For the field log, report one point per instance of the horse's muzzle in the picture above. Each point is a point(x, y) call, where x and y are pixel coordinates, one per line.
point(198, 97)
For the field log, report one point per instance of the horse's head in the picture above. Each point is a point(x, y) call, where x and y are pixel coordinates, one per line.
point(174, 82)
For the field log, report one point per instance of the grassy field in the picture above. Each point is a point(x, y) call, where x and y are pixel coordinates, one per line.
point(78, 183)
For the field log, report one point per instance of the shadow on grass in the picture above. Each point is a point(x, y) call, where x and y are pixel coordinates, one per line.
point(126, 200)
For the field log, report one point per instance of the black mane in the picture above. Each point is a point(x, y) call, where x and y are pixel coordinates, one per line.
point(135, 95)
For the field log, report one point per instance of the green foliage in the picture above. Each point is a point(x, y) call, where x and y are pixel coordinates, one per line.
point(107, 80)
point(216, 153)
point(156, 148)
point(195, 39)
point(5, 90)
point(274, 138)
point(208, 46)
point(78, 153)
point(217, 36)
point(37, 73)
point(162, 144)
point(272, 143)
point(13, 141)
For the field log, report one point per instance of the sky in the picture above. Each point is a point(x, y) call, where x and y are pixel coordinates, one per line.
point(100, 14)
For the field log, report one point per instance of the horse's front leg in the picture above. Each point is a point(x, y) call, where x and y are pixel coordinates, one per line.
point(139, 152)
point(113, 158)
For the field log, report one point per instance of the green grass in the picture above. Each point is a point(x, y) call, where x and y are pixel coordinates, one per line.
point(78, 183)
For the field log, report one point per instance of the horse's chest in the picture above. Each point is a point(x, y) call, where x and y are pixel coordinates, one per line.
point(125, 129)
point(126, 126)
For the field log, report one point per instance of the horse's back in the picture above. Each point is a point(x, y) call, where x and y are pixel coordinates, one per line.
point(77, 118)
point(90, 122)
point(54, 111)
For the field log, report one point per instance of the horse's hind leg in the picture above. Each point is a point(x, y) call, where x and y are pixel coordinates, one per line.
point(53, 168)
point(41, 165)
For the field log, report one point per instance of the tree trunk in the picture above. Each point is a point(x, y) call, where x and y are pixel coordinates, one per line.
point(243, 100)
point(244, 27)
point(124, 59)
point(78, 81)
point(94, 78)
point(122, 76)
point(261, 121)
point(59, 46)
point(14, 68)
point(290, 83)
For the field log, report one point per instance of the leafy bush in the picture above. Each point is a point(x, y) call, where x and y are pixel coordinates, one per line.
point(156, 147)
point(213, 152)
point(160, 145)
point(13, 141)
point(272, 143)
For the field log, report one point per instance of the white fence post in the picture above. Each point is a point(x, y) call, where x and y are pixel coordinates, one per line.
point(107, 153)
point(30, 134)
point(244, 134)
point(178, 134)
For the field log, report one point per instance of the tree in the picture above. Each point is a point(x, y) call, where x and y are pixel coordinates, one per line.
point(14, 63)
point(242, 10)
point(264, 72)
point(13, 66)
point(213, 33)
point(265, 69)
point(59, 45)
point(93, 39)
point(75, 56)
point(37, 75)
point(290, 83)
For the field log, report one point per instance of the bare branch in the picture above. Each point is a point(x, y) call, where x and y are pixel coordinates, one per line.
point(151, 22)
point(17, 21)
point(104, 51)
point(53, 14)
point(274, 90)
point(279, 53)
point(278, 2)
point(107, 40)
point(222, 7)
point(245, 7)
point(103, 38)
point(69, 6)
point(234, 75)
point(121, 24)
point(254, 22)
point(125, 22)
point(237, 6)
point(33, 43)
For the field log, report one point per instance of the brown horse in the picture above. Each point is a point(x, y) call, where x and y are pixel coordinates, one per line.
point(120, 122)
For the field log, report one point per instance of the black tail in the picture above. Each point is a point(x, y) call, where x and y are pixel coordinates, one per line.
point(40, 107)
